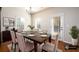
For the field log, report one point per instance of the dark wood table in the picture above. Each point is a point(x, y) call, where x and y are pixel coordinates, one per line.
point(36, 39)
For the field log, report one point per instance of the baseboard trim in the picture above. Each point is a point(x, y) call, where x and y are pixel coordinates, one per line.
point(67, 42)
point(63, 41)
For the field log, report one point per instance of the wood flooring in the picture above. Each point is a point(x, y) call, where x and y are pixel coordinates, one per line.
point(61, 45)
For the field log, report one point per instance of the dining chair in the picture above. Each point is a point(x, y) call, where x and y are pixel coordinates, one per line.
point(24, 46)
point(49, 47)
point(14, 41)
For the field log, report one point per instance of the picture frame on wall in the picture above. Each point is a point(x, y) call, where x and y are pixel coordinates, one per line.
point(8, 21)
point(11, 22)
point(5, 21)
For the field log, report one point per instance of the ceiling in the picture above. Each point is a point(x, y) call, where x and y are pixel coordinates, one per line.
point(35, 9)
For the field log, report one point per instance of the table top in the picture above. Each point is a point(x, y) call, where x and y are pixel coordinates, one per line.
point(35, 36)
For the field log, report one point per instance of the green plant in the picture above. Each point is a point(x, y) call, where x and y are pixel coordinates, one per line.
point(31, 27)
point(74, 32)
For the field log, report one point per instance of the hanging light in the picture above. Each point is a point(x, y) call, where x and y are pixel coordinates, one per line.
point(34, 9)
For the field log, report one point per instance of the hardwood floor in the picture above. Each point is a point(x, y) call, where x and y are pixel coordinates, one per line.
point(61, 46)
point(4, 48)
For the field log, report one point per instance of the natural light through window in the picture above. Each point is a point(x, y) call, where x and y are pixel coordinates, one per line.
point(37, 23)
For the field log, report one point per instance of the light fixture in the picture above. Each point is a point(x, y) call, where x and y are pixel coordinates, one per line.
point(34, 9)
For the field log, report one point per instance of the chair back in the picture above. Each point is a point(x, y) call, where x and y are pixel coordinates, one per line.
point(56, 43)
point(50, 38)
point(13, 36)
point(21, 42)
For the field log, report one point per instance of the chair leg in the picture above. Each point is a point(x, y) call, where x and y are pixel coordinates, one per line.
point(17, 47)
point(31, 50)
point(12, 47)
point(43, 50)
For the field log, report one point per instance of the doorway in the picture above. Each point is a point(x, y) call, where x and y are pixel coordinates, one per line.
point(57, 25)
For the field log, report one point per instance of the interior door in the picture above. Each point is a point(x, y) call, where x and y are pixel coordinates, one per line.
point(58, 25)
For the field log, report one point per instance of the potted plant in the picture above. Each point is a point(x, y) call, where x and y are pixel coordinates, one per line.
point(31, 27)
point(74, 32)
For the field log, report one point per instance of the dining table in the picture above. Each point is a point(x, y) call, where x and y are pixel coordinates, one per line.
point(36, 37)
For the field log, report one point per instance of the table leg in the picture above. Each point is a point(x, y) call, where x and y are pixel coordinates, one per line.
point(35, 46)
point(50, 38)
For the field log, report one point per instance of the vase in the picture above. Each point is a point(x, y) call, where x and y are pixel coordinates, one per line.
point(74, 41)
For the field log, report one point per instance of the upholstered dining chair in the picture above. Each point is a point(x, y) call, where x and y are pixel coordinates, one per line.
point(14, 41)
point(49, 47)
point(24, 46)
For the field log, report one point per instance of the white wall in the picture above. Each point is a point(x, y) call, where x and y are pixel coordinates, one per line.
point(71, 17)
point(15, 12)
